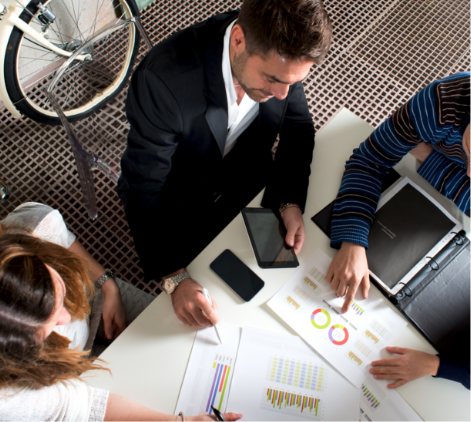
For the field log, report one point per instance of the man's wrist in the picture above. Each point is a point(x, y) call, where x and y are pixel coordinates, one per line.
point(287, 205)
point(171, 282)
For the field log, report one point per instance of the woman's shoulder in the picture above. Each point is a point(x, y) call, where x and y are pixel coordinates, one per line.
point(41, 221)
point(68, 400)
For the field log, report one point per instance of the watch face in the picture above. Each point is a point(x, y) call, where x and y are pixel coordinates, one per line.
point(169, 286)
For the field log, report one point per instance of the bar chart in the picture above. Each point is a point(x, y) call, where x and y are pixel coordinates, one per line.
point(362, 348)
point(291, 403)
point(296, 373)
point(372, 400)
point(379, 328)
point(310, 283)
point(317, 275)
point(217, 385)
point(301, 293)
point(357, 308)
point(369, 335)
point(354, 358)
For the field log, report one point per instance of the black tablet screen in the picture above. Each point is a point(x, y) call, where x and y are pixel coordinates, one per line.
point(267, 237)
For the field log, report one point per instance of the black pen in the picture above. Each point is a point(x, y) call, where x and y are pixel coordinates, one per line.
point(218, 414)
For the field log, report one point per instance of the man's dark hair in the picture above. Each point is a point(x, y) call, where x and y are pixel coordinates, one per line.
point(295, 29)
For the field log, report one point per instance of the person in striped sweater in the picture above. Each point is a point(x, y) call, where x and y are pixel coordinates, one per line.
point(433, 126)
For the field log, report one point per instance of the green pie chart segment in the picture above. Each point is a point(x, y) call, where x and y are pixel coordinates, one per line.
point(320, 318)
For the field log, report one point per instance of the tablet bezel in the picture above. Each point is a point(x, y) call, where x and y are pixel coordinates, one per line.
point(266, 264)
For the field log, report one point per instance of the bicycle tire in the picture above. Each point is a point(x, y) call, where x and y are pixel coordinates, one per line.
point(13, 84)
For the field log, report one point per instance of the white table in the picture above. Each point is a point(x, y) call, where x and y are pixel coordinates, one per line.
point(149, 359)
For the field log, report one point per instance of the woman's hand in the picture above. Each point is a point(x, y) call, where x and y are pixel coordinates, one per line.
point(229, 416)
point(410, 365)
point(294, 224)
point(114, 316)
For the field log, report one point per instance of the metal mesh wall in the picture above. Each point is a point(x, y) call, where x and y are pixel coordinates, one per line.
point(383, 52)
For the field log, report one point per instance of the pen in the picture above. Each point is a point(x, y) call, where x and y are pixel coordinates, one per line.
point(208, 298)
point(218, 414)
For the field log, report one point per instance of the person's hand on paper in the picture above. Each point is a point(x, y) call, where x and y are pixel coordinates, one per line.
point(347, 271)
point(294, 224)
point(191, 307)
point(410, 365)
point(229, 416)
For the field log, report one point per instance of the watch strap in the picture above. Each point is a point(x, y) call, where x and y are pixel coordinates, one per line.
point(108, 274)
point(171, 283)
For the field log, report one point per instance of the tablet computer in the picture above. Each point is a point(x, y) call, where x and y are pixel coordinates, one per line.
point(267, 236)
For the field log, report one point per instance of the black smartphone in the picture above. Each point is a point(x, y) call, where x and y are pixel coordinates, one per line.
point(237, 275)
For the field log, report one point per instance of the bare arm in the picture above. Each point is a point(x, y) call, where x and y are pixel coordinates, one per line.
point(120, 408)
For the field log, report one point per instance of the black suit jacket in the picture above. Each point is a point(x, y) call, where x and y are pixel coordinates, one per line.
point(173, 163)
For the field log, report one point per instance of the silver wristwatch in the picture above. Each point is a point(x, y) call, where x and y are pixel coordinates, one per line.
point(108, 274)
point(171, 283)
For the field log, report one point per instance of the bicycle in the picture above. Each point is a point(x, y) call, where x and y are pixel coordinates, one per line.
point(36, 40)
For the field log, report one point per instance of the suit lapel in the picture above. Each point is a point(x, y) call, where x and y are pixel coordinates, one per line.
point(216, 113)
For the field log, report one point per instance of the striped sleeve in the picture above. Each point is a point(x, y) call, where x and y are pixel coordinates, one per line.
point(359, 193)
point(434, 115)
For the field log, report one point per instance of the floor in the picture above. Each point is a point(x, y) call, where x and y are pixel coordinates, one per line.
point(383, 52)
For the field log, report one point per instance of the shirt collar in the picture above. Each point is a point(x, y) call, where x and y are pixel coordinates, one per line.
point(226, 67)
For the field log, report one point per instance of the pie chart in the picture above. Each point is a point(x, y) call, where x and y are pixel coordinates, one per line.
point(320, 318)
point(338, 334)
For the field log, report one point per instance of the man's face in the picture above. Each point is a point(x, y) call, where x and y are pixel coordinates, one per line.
point(264, 77)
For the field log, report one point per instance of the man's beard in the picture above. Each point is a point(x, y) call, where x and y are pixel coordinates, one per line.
point(238, 70)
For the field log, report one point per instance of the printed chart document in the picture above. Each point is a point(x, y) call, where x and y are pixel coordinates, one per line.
point(209, 372)
point(279, 377)
point(380, 404)
point(351, 341)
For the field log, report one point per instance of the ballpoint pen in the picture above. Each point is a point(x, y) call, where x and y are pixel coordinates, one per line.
point(208, 298)
point(218, 414)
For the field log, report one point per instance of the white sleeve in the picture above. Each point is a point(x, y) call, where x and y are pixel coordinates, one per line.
point(70, 401)
point(53, 229)
point(44, 222)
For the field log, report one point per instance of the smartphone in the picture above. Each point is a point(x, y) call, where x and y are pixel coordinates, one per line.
point(237, 275)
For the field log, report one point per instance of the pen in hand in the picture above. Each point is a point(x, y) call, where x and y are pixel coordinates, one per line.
point(208, 298)
point(218, 414)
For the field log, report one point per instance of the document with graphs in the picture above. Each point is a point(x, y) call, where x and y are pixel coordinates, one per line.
point(350, 341)
point(279, 377)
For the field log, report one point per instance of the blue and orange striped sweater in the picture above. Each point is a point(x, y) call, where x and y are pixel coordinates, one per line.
point(437, 115)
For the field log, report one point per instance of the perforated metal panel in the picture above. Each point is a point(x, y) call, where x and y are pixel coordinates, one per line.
point(383, 52)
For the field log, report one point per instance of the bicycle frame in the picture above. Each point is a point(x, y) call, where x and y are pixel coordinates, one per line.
point(11, 19)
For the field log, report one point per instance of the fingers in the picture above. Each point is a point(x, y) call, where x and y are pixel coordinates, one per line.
point(299, 240)
point(397, 384)
point(231, 416)
point(397, 350)
point(365, 285)
point(210, 312)
point(291, 233)
point(108, 324)
point(349, 299)
point(386, 362)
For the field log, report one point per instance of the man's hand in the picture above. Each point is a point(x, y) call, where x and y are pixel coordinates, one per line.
point(411, 365)
point(114, 316)
point(294, 223)
point(347, 271)
point(189, 304)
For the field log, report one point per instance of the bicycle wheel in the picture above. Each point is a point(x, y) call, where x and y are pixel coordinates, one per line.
point(87, 85)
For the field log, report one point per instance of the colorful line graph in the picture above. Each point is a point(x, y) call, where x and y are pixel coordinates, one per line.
point(317, 275)
point(380, 329)
point(362, 348)
point(278, 399)
point(320, 318)
point(301, 293)
point(371, 336)
point(218, 382)
point(310, 283)
point(335, 331)
point(357, 308)
point(374, 403)
point(355, 358)
point(295, 373)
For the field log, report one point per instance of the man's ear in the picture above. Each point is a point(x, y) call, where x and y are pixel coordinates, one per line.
point(237, 39)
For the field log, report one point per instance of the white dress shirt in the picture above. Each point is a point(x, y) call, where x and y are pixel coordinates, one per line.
point(239, 115)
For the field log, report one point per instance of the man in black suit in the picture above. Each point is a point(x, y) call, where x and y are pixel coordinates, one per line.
point(205, 108)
